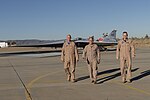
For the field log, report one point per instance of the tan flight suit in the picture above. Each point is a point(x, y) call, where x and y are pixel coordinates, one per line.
point(69, 56)
point(125, 50)
point(92, 55)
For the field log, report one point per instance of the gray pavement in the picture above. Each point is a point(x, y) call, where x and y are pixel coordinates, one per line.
point(43, 78)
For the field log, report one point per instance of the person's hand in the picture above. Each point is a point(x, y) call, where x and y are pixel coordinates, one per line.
point(62, 59)
point(117, 58)
point(77, 60)
point(133, 56)
point(98, 61)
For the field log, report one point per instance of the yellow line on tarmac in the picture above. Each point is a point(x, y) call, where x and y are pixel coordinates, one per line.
point(104, 75)
point(42, 76)
point(38, 78)
point(132, 88)
point(128, 86)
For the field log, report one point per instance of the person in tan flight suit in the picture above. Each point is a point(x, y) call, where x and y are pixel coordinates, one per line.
point(70, 57)
point(91, 53)
point(126, 51)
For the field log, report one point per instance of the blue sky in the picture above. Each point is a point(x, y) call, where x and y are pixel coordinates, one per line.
point(54, 19)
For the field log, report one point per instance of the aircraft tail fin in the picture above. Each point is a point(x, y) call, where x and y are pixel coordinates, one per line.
point(113, 34)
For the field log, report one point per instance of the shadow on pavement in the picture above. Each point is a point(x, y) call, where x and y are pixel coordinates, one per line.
point(99, 73)
point(107, 78)
point(142, 75)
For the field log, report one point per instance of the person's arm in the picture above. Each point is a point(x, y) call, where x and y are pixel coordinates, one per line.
point(84, 52)
point(63, 52)
point(132, 49)
point(98, 55)
point(118, 50)
point(76, 53)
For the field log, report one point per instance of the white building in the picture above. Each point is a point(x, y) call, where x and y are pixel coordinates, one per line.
point(3, 44)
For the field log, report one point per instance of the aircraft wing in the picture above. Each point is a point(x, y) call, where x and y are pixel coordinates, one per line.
point(59, 44)
point(81, 43)
point(106, 43)
point(51, 44)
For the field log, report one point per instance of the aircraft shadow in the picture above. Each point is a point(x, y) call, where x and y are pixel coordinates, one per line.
point(50, 56)
point(99, 73)
point(107, 78)
point(142, 75)
point(26, 52)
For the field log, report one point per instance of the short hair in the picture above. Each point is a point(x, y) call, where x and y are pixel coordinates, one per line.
point(69, 35)
point(91, 37)
point(125, 33)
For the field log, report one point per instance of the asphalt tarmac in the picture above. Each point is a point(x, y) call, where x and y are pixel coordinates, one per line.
point(42, 77)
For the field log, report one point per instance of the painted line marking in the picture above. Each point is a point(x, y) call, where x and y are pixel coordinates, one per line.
point(132, 88)
point(29, 86)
